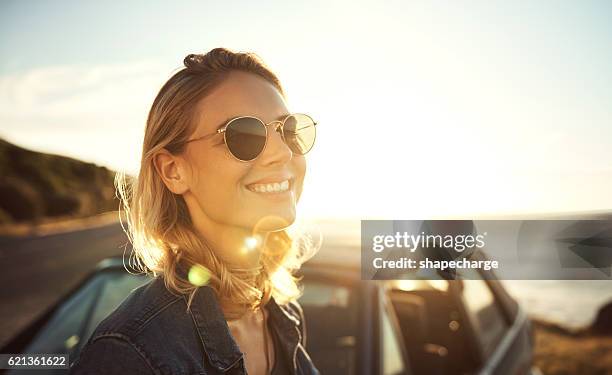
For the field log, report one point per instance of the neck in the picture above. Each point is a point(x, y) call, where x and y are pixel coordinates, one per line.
point(238, 246)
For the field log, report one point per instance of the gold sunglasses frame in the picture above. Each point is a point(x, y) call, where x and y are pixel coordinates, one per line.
point(280, 126)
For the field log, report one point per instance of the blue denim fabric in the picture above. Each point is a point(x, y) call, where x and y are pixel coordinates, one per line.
point(152, 332)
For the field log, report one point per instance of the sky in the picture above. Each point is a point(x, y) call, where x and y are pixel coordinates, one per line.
point(427, 109)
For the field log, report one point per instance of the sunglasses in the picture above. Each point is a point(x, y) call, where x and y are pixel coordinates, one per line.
point(246, 136)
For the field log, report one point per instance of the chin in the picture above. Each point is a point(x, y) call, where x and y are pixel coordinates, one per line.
point(272, 222)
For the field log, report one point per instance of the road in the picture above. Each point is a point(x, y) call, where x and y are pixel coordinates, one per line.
point(36, 271)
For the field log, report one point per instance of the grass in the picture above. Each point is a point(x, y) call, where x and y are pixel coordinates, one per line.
point(560, 351)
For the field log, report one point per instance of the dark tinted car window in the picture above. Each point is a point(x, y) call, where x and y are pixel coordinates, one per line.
point(62, 333)
point(114, 290)
point(74, 321)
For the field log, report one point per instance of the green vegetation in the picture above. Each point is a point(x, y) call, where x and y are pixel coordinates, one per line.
point(36, 186)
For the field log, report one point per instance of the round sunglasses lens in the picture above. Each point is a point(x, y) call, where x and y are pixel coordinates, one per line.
point(300, 133)
point(245, 138)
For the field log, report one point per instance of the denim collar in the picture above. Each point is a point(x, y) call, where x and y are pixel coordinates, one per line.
point(219, 345)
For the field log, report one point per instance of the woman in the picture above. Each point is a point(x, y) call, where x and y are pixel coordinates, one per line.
point(222, 170)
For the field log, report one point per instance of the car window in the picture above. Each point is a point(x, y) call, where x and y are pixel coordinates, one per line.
point(117, 286)
point(331, 322)
point(392, 358)
point(484, 311)
point(62, 331)
point(69, 328)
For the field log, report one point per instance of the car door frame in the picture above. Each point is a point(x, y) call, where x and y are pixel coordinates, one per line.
point(514, 317)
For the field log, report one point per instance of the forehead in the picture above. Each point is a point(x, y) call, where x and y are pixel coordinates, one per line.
point(240, 94)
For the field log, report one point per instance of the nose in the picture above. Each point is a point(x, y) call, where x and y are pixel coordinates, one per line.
point(276, 151)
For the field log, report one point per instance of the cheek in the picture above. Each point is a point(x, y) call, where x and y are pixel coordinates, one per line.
point(218, 178)
point(299, 168)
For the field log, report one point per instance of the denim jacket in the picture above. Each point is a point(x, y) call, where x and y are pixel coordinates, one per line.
point(152, 332)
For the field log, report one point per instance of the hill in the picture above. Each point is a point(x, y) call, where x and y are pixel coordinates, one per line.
point(35, 186)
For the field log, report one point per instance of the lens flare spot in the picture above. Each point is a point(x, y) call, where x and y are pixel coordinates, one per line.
point(252, 242)
point(71, 341)
point(198, 275)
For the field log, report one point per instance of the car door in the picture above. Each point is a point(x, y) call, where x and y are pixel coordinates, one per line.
point(501, 330)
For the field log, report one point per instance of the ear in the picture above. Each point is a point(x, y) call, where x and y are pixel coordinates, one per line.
point(172, 171)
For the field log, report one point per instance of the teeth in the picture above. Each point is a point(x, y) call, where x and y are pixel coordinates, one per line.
point(275, 187)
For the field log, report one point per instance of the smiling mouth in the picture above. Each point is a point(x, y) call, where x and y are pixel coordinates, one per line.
point(270, 188)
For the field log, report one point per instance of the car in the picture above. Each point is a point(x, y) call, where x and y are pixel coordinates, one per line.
point(354, 326)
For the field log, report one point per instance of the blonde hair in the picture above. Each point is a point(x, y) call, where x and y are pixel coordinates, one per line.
point(158, 222)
